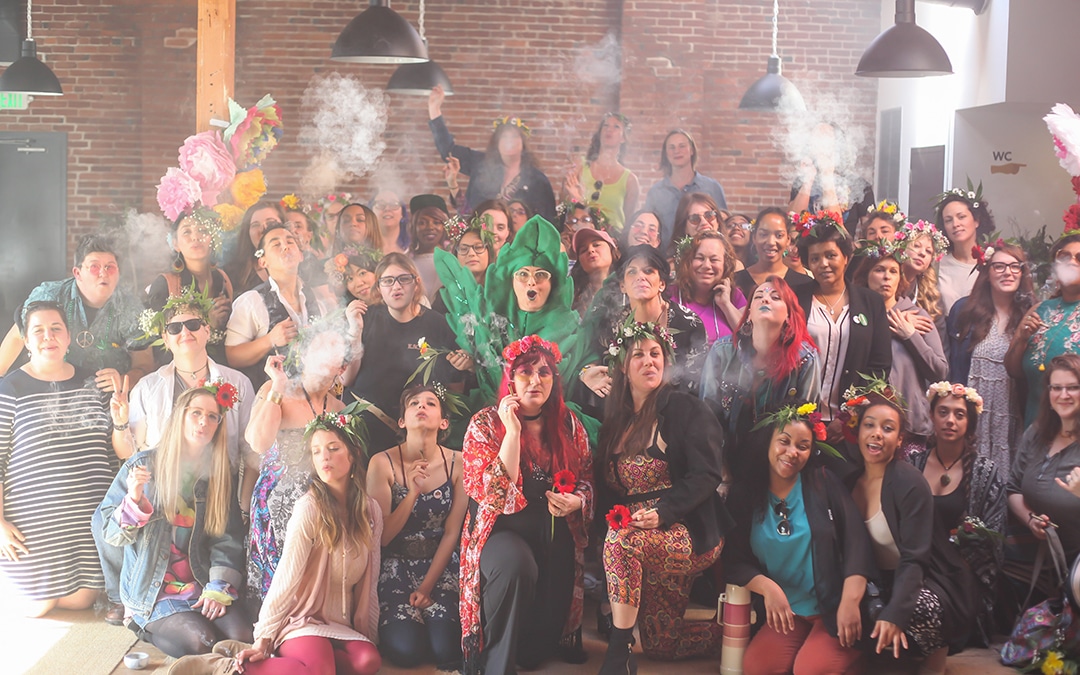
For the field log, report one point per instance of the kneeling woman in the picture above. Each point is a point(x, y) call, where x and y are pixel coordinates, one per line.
point(321, 613)
point(660, 453)
point(801, 544)
point(523, 543)
point(173, 512)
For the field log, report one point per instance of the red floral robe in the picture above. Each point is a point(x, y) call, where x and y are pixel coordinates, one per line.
point(487, 483)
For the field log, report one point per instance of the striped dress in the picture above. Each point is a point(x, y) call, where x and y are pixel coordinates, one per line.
point(55, 467)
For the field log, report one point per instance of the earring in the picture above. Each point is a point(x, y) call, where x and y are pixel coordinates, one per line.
point(178, 262)
point(747, 329)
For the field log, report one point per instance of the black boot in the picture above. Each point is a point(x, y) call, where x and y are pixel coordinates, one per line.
point(619, 659)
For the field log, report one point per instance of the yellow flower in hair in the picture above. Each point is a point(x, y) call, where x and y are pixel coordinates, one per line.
point(291, 201)
point(805, 409)
point(230, 216)
point(248, 188)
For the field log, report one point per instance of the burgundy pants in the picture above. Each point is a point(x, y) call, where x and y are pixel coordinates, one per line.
point(807, 650)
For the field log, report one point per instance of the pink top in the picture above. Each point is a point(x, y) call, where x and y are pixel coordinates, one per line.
point(716, 325)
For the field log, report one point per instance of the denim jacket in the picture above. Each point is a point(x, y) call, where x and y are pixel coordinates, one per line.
point(146, 549)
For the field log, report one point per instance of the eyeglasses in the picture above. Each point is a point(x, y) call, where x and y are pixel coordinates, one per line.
point(198, 415)
point(174, 327)
point(781, 510)
point(731, 225)
point(1071, 389)
point(1000, 267)
point(645, 227)
point(598, 186)
point(695, 218)
point(539, 276)
point(265, 225)
point(403, 279)
point(95, 269)
point(1065, 257)
point(575, 220)
point(385, 206)
point(465, 249)
point(518, 211)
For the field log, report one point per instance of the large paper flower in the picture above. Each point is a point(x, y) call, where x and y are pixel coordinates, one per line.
point(205, 158)
point(177, 192)
point(230, 215)
point(248, 187)
point(254, 132)
point(1064, 125)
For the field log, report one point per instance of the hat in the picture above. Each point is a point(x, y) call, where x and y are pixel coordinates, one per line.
point(424, 201)
point(583, 236)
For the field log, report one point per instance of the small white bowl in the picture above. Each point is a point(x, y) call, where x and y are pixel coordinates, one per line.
point(136, 660)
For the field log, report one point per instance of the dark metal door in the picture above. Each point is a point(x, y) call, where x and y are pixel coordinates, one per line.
point(33, 215)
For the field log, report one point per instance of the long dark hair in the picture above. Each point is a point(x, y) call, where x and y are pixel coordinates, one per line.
point(861, 275)
point(242, 269)
point(978, 312)
point(1047, 421)
point(983, 218)
point(622, 424)
point(684, 276)
point(594, 145)
point(758, 442)
point(491, 153)
point(682, 212)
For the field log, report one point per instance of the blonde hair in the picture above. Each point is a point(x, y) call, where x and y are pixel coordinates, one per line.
point(168, 470)
point(928, 295)
point(329, 529)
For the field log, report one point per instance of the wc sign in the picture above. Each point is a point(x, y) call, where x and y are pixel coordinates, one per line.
point(1003, 162)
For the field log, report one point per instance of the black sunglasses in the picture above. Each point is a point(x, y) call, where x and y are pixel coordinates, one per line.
point(598, 185)
point(192, 325)
point(783, 528)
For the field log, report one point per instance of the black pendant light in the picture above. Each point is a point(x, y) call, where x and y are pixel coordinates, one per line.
point(772, 87)
point(379, 35)
point(904, 50)
point(418, 79)
point(28, 75)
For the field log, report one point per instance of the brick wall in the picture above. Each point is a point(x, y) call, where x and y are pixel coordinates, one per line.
point(128, 68)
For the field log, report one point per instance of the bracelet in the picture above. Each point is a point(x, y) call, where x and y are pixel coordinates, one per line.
point(121, 427)
point(274, 397)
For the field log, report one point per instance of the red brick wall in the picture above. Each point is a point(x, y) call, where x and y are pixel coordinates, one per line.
point(129, 83)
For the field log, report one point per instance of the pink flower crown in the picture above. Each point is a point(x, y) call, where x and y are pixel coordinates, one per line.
point(527, 344)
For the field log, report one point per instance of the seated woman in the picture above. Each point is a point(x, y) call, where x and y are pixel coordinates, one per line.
point(600, 178)
point(351, 274)
point(596, 255)
point(771, 242)
point(704, 278)
point(243, 268)
point(643, 230)
point(769, 362)
point(357, 227)
point(473, 242)
point(173, 511)
point(419, 490)
point(55, 458)
point(967, 488)
point(801, 544)
point(737, 229)
point(321, 612)
point(917, 358)
point(574, 217)
point(924, 245)
point(523, 547)
point(695, 213)
point(1049, 452)
point(659, 455)
point(928, 586)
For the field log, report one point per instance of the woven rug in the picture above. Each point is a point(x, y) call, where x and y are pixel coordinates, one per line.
point(66, 642)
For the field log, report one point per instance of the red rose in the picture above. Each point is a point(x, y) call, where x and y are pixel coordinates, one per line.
point(565, 482)
point(618, 518)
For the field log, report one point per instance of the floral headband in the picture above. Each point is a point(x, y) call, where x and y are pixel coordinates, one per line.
point(348, 422)
point(451, 402)
point(859, 397)
point(944, 388)
point(983, 255)
point(513, 121)
point(807, 412)
point(632, 331)
point(527, 344)
point(972, 195)
point(224, 393)
point(336, 266)
point(877, 250)
point(291, 202)
point(681, 247)
point(208, 222)
point(329, 200)
point(152, 323)
point(889, 208)
point(815, 224)
point(910, 231)
point(457, 226)
point(627, 125)
point(600, 221)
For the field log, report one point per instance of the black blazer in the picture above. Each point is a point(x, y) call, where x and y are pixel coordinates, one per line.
point(839, 541)
point(869, 346)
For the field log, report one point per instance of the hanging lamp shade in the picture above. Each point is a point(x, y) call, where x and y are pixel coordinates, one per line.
point(379, 35)
point(28, 75)
point(418, 79)
point(904, 50)
point(770, 90)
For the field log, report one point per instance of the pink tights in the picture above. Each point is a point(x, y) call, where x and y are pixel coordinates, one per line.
point(313, 655)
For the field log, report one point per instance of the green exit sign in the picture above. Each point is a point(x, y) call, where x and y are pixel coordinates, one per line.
point(13, 101)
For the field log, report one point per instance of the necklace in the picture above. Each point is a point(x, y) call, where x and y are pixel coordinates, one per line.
point(531, 418)
point(193, 373)
point(312, 405)
point(344, 604)
point(945, 478)
point(832, 305)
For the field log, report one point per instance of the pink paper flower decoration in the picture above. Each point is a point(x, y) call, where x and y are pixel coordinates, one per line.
point(205, 158)
point(177, 192)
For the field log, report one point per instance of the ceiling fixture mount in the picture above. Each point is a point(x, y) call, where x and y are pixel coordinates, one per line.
point(772, 91)
point(379, 35)
point(904, 50)
point(418, 79)
point(28, 75)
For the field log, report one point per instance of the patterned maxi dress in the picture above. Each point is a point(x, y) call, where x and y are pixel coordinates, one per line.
point(284, 477)
point(998, 424)
point(406, 559)
point(654, 569)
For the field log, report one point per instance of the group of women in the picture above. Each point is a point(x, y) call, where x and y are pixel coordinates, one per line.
point(429, 426)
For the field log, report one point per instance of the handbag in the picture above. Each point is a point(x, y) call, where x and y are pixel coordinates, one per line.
point(870, 607)
point(1051, 624)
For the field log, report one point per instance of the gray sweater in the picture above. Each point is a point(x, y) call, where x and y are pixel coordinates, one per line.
point(916, 363)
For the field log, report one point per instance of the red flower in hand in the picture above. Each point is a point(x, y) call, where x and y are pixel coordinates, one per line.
point(226, 395)
point(618, 518)
point(565, 482)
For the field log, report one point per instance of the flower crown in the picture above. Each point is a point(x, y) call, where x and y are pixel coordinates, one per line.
point(451, 402)
point(225, 393)
point(513, 121)
point(858, 397)
point(877, 250)
point(681, 247)
point(325, 202)
point(944, 388)
point(806, 412)
point(292, 202)
point(890, 208)
point(910, 231)
point(600, 221)
point(632, 331)
point(627, 124)
point(527, 344)
point(209, 223)
point(457, 226)
point(348, 422)
point(972, 195)
point(816, 223)
point(336, 266)
point(983, 255)
point(152, 323)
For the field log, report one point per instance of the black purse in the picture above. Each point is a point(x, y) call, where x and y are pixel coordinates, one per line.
point(870, 607)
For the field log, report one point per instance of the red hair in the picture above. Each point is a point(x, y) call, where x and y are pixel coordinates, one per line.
point(786, 352)
point(556, 440)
